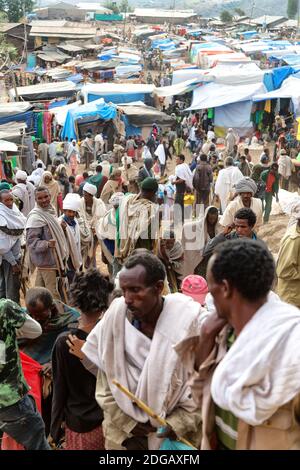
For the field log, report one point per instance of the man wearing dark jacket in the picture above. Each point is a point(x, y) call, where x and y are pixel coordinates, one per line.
point(203, 178)
point(243, 227)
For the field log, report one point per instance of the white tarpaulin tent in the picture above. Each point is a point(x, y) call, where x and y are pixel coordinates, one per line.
point(213, 95)
point(6, 146)
point(44, 91)
point(62, 111)
point(11, 109)
point(235, 115)
point(290, 88)
point(237, 74)
point(179, 89)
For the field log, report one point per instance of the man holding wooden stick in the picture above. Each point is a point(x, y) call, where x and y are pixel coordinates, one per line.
point(133, 344)
point(44, 235)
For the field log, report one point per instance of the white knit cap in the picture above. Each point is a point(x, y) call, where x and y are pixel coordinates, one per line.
point(21, 175)
point(90, 188)
point(116, 198)
point(127, 160)
point(71, 202)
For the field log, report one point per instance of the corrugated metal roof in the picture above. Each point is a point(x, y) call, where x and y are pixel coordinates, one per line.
point(63, 31)
point(266, 19)
point(52, 57)
point(156, 13)
point(71, 47)
point(4, 27)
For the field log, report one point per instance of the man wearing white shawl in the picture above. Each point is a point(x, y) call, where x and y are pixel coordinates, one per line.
point(24, 191)
point(245, 190)
point(70, 226)
point(48, 250)
point(195, 236)
point(133, 344)
point(161, 154)
point(227, 178)
point(12, 225)
point(91, 211)
point(246, 367)
point(107, 231)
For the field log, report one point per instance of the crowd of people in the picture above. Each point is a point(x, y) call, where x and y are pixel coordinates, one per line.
point(147, 269)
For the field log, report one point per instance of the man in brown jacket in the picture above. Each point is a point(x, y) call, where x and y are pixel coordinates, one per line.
point(246, 376)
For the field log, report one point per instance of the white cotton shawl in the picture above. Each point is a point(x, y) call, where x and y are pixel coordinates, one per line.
point(151, 369)
point(161, 154)
point(38, 218)
point(11, 218)
point(260, 373)
point(183, 172)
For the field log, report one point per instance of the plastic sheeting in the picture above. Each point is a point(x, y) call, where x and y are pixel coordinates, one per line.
point(101, 90)
point(237, 74)
point(62, 111)
point(235, 115)
point(274, 79)
point(213, 95)
point(118, 98)
point(179, 89)
point(44, 91)
point(130, 129)
point(10, 109)
point(99, 109)
point(290, 89)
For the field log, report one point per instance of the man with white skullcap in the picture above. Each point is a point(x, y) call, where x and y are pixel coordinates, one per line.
point(91, 210)
point(24, 191)
point(70, 226)
point(245, 190)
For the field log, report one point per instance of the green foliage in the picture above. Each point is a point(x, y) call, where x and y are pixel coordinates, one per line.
point(112, 6)
point(226, 16)
point(292, 8)
point(125, 7)
point(7, 50)
point(239, 12)
point(15, 9)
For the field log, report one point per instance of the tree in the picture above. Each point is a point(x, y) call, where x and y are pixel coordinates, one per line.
point(292, 8)
point(226, 16)
point(16, 9)
point(125, 7)
point(112, 6)
point(239, 12)
point(8, 53)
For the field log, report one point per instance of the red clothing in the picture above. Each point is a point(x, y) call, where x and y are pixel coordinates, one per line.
point(93, 440)
point(270, 182)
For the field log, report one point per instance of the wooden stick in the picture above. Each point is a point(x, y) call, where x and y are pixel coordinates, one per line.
point(148, 410)
point(60, 275)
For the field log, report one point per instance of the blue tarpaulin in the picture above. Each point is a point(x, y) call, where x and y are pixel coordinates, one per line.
point(22, 117)
point(75, 78)
point(95, 110)
point(119, 98)
point(274, 78)
point(58, 104)
point(129, 128)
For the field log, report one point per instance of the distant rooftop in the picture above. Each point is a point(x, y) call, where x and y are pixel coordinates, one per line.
point(154, 12)
point(268, 20)
point(4, 27)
